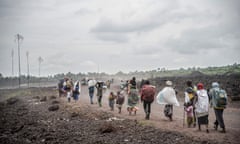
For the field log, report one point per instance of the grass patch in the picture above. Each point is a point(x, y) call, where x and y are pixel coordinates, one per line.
point(145, 123)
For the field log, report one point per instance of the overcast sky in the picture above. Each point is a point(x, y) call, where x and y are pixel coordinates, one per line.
point(118, 35)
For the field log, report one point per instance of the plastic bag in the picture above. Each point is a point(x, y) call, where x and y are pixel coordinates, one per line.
point(167, 96)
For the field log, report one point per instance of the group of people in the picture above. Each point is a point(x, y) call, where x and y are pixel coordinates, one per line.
point(68, 88)
point(196, 102)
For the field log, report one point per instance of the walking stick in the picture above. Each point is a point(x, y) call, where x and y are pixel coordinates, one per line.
point(183, 116)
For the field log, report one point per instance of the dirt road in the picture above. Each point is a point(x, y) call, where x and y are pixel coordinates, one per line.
point(157, 118)
point(27, 119)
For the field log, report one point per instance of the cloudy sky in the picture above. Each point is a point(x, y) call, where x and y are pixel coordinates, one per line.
point(118, 35)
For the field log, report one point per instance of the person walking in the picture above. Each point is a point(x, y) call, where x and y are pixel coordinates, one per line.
point(111, 100)
point(167, 96)
point(99, 87)
point(76, 90)
point(218, 100)
point(190, 99)
point(120, 100)
point(147, 97)
point(68, 88)
point(189, 109)
point(133, 98)
point(202, 108)
point(91, 85)
point(61, 87)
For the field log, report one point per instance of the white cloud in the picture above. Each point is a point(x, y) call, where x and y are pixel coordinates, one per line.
point(82, 35)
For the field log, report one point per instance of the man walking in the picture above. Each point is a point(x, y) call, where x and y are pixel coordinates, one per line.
point(218, 100)
point(147, 97)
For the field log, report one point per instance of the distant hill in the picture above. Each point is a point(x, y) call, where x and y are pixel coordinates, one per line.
point(158, 72)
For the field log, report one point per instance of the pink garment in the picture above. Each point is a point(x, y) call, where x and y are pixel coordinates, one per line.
point(189, 111)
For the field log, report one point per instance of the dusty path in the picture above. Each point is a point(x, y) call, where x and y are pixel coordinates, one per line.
point(157, 118)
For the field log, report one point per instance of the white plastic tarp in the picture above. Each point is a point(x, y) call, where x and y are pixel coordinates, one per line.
point(91, 83)
point(167, 96)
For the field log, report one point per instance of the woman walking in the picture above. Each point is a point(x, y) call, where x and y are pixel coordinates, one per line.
point(202, 102)
point(133, 98)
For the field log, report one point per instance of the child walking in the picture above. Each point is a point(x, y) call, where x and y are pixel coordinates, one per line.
point(189, 110)
point(111, 99)
point(120, 100)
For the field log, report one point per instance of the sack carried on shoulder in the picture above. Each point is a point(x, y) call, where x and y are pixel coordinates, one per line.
point(76, 90)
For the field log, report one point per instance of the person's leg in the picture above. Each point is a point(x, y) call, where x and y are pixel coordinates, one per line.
point(171, 112)
point(113, 104)
point(219, 116)
point(100, 101)
point(215, 124)
point(216, 121)
point(199, 127)
point(135, 110)
point(69, 96)
point(207, 125)
point(91, 97)
point(188, 121)
point(145, 108)
point(110, 105)
point(148, 110)
point(194, 118)
point(120, 109)
point(207, 128)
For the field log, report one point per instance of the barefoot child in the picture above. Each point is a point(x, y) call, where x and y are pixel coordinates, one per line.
point(120, 100)
point(189, 110)
point(111, 99)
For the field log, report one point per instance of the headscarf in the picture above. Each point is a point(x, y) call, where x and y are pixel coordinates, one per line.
point(199, 86)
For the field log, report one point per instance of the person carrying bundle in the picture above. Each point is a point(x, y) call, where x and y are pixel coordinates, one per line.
point(167, 96)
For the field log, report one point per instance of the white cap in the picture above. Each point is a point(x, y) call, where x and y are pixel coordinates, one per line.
point(169, 83)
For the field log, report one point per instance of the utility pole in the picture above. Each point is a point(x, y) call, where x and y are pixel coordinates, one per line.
point(28, 76)
point(40, 60)
point(12, 54)
point(19, 39)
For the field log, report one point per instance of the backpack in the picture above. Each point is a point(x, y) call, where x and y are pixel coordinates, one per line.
point(221, 98)
point(148, 93)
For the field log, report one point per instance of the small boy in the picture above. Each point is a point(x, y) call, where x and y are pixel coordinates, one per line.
point(120, 100)
point(111, 99)
point(189, 110)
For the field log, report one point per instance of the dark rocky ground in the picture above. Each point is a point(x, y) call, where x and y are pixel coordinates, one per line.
point(27, 117)
point(230, 82)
